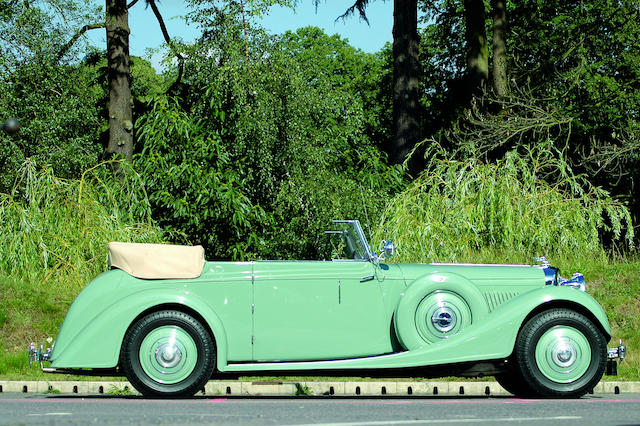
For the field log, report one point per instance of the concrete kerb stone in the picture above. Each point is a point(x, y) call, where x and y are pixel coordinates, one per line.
point(268, 388)
point(214, 387)
point(619, 387)
point(324, 388)
point(362, 388)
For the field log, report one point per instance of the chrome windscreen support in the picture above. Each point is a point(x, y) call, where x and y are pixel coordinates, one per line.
point(544, 263)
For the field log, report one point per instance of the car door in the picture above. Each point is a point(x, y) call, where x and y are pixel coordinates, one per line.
point(318, 310)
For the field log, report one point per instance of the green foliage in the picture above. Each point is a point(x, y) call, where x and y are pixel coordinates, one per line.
point(54, 101)
point(193, 182)
point(58, 111)
point(119, 390)
point(520, 206)
point(258, 157)
point(573, 58)
point(303, 390)
point(53, 242)
point(55, 231)
point(579, 56)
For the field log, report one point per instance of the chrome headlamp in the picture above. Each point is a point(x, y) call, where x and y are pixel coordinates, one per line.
point(576, 281)
point(552, 276)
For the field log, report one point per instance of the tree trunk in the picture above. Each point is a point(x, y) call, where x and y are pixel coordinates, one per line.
point(476, 37)
point(499, 48)
point(406, 78)
point(119, 76)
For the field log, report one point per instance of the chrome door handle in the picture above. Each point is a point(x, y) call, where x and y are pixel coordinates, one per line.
point(367, 278)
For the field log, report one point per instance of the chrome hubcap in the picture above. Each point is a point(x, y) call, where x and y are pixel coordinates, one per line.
point(168, 355)
point(444, 319)
point(440, 315)
point(563, 354)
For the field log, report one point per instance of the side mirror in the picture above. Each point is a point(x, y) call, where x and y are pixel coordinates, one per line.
point(387, 250)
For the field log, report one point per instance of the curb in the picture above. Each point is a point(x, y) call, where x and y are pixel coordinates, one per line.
point(306, 388)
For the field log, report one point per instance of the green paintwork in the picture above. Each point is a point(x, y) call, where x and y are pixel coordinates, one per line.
point(551, 364)
point(327, 306)
point(171, 369)
point(307, 315)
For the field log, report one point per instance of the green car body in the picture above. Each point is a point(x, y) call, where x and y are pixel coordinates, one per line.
point(313, 316)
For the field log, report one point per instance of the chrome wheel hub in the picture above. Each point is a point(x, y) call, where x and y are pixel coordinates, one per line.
point(444, 319)
point(168, 355)
point(563, 354)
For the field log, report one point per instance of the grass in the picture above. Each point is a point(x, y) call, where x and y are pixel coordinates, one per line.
point(119, 390)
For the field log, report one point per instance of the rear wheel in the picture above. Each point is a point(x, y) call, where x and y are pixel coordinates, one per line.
point(560, 353)
point(168, 353)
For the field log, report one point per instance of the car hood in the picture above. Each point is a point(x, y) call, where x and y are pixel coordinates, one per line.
point(481, 274)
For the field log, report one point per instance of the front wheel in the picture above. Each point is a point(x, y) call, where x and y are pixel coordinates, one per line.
point(560, 353)
point(168, 354)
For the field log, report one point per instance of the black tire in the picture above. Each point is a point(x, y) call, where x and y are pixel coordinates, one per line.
point(513, 382)
point(560, 353)
point(168, 354)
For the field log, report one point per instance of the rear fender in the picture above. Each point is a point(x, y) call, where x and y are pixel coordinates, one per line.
point(98, 343)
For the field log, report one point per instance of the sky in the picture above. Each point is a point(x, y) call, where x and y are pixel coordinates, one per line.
point(145, 32)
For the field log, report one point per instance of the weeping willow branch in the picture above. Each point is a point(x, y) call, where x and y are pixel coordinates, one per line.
point(510, 122)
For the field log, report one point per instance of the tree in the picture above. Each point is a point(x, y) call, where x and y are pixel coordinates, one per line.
point(582, 58)
point(55, 101)
point(499, 21)
point(255, 161)
point(406, 80)
point(406, 76)
point(477, 50)
point(119, 76)
point(116, 23)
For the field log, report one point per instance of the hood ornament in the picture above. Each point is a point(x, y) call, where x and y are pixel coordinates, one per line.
point(542, 261)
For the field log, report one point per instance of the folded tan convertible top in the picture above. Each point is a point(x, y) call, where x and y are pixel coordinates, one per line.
point(157, 260)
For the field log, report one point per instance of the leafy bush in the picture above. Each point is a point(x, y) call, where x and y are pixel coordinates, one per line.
point(195, 187)
point(256, 157)
point(520, 206)
point(55, 231)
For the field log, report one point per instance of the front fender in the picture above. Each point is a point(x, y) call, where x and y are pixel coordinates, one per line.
point(494, 335)
point(92, 338)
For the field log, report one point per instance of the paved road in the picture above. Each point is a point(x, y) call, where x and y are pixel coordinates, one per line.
point(59, 409)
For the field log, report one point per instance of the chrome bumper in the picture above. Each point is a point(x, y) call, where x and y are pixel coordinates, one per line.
point(619, 352)
point(38, 355)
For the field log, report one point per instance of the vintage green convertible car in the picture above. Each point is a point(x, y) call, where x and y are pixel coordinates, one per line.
point(170, 321)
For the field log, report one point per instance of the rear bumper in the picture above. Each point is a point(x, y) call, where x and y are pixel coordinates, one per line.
point(615, 353)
